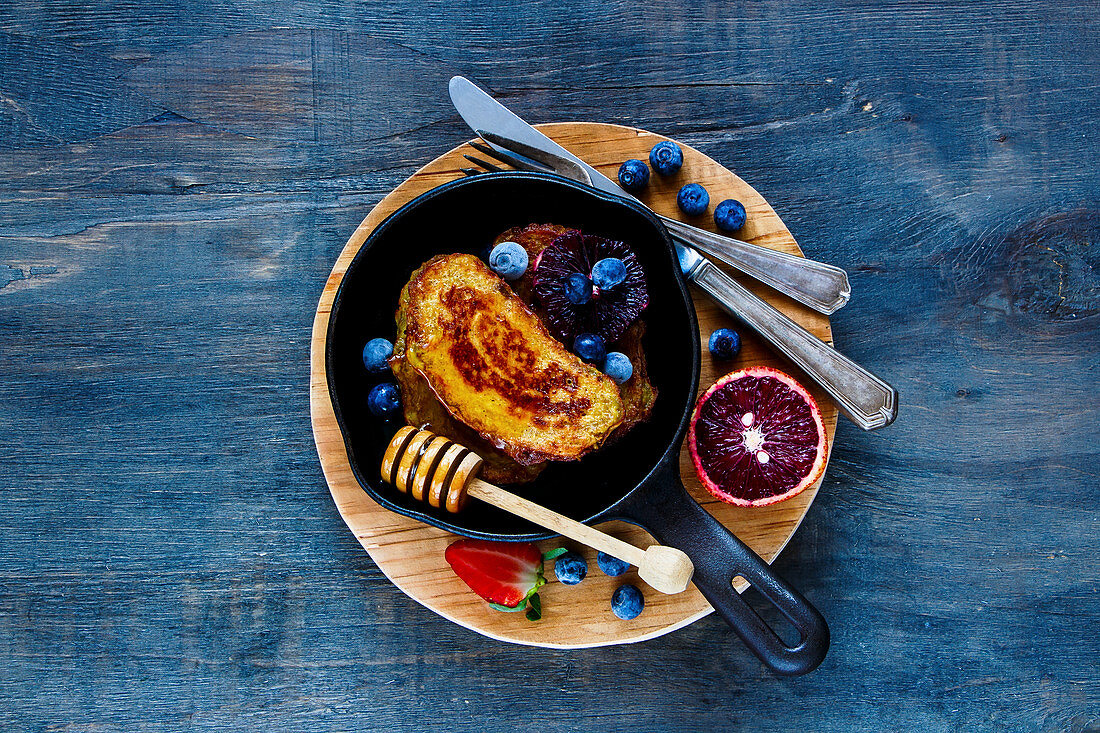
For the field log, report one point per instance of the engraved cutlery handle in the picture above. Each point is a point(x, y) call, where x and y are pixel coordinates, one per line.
point(867, 400)
point(822, 287)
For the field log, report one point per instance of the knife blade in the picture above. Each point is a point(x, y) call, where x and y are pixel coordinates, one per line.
point(867, 400)
point(823, 287)
point(482, 112)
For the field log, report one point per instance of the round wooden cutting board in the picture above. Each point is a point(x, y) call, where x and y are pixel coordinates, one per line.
point(411, 553)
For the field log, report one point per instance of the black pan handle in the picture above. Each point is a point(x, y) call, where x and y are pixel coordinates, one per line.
point(664, 508)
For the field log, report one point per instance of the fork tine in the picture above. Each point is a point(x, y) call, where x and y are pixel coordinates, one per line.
point(482, 148)
point(471, 171)
point(483, 163)
point(515, 160)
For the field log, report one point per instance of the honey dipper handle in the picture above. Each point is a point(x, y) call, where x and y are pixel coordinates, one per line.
point(560, 523)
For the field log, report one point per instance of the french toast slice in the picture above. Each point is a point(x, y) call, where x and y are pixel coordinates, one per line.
point(493, 365)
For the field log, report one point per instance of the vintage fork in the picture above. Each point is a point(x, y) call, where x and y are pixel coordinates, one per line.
point(818, 285)
point(867, 400)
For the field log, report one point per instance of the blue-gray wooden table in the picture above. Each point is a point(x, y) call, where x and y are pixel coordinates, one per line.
point(177, 178)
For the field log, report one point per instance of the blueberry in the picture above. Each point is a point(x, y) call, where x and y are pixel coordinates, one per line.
point(611, 565)
point(509, 260)
point(633, 175)
point(693, 199)
point(627, 602)
point(570, 568)
point(730, 215)
point(578, 289)
point(608, 272)
point(666, 157)
point(724, 343)
point(590, 347)
point(384, 399)
point(375, 354)
point(617, 366)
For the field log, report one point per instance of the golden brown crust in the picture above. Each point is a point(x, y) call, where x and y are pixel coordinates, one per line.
point(495, 367)
point(423, 409)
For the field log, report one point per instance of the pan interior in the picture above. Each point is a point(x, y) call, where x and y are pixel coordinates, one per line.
point(465, 216)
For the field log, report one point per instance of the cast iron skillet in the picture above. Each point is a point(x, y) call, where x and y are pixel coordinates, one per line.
point(636, 479)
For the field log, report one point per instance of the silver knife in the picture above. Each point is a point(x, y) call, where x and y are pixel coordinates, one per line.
point(864, 398)
point(821, 286)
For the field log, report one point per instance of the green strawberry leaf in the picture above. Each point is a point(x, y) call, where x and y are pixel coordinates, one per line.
point(553, 554)
point(534, 610)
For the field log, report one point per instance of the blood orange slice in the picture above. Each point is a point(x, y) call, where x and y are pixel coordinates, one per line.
point(757, 438)
point(610, 312)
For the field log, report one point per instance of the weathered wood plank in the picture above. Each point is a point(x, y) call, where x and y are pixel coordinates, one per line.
point(51, 93)
point(176, 180)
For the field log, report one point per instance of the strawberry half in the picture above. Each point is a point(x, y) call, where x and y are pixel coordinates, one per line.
point(506, 574)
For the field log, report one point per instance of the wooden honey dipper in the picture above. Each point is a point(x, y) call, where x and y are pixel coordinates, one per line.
point(441, 472)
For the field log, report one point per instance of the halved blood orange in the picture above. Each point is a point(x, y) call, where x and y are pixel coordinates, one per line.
point(757, 438)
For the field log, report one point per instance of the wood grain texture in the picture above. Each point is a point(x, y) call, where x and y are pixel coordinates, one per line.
point(411, 553)
point(170, 556)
